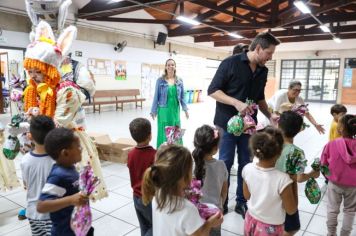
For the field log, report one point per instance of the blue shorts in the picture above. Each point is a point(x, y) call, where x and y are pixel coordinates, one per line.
point(292, 222)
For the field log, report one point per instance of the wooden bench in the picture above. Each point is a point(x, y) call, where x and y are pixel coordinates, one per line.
point(116, 97)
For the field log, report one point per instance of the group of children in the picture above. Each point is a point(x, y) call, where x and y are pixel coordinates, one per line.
point(159, 179)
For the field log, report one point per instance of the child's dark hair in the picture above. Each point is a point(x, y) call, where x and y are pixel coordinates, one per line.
point(290, 123)
point(39, 127)
point(162, 179)
point(337, 109)
point(57, 140)
point(206, 139)
point(267, 144)
point(348, 123)
point(140, 129)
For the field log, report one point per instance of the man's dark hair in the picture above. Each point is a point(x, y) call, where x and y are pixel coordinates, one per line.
point(40, 126)
point(240, 48)
point(337, 109)
point(57, 140)
point(140, 129)
point(290, 123)
point(265, 40)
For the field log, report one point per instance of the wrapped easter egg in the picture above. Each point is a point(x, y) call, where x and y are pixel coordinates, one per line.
point(235, 125)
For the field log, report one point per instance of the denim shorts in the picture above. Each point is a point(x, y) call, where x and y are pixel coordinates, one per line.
point(292, 222)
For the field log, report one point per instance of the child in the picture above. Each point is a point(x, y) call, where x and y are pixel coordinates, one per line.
point(165, 182)
point(336, 111)
point(211, 172)
point(340, 156)
point(139, 159)
point(36, 166)
point(291, 124)
point(269, 191)
point(61, 193)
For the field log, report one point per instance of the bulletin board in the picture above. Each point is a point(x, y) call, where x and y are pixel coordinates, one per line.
point(149, 75)
point(99, 66)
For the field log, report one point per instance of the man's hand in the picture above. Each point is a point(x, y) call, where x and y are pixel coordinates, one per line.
point(243, 108)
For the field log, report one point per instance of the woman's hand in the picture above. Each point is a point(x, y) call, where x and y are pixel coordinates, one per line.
point(153, 116)
point(320, 128)
point(186, 114)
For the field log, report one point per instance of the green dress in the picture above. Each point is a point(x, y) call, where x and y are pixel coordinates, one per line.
point(169, 115)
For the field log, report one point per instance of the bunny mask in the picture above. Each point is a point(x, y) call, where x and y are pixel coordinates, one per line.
point(45, 54)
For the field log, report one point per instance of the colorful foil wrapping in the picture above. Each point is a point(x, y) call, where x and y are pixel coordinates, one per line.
point(295, 162)
point(194, 194)
point(81, 217)
point(173, 134)
point(246, 124)
point(312, 189)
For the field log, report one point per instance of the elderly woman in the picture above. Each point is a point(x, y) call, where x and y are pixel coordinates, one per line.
point(292, 97)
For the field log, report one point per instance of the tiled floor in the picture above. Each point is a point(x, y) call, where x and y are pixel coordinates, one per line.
point(115, 215)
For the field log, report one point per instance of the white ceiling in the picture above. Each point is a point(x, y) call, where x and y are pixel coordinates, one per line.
point(151, 30)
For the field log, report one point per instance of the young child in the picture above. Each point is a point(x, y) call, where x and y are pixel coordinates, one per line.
point(269, 191)
point(340, 156)
point(211, 172)
point(139, 159)
point(336, 111)
point(61, 191)
point(36, 166)
point(165, 182)
point(291, 124)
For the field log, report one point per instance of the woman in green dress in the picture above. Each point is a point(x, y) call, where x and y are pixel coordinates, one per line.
point(169, 93)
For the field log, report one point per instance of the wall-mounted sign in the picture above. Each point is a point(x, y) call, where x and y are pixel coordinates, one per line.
point(78, 53)
point(347, 81)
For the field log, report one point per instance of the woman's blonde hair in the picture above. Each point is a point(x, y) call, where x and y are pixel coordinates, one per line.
point(47, 94)
point(163, 179)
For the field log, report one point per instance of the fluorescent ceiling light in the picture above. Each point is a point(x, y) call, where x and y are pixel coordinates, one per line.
point(114, 1)
point(188, 20)
point(324, 28)
point(337, 40)
point(236, 36)
point(302, 7)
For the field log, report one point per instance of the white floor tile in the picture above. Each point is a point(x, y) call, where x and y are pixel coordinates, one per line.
point(305, 218)
point(108, 225)
point(96, 214)
point(24, 231)
point(19, 198)
point(124, 191)
point(113, 182)
point(9, 221)
point(136, 232)
point(305, 205)
point(234, 223)
point(127, 213)
point(6, 205)
point(227, 233)
point(111, 203)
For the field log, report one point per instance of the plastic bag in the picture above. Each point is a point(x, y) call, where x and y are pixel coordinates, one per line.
point(173, 134)
point(11, 147)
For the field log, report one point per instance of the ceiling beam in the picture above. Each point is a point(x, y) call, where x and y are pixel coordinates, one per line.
point(325, 8)
point(290, 39)
point(251, 9)
point(219, 9)
point(136, 20)
point(282, 33)
point(274, 11)
point(100, 8)
point(200, 18)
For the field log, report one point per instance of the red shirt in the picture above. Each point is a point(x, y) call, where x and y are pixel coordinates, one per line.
point(139, 159)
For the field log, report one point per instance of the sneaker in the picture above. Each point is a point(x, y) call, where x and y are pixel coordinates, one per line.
point(22, 214)
point(241, 209)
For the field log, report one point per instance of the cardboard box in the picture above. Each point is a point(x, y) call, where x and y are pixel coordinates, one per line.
point(116, 151)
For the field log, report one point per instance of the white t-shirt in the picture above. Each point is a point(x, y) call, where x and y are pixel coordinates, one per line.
point(265, 186)
point(182, 222)
point(35, 170)
point(281, 97)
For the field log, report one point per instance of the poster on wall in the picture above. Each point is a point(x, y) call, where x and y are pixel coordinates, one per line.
point(149, 75)
point(120, 70)
point(99, 66)
point(347, 81)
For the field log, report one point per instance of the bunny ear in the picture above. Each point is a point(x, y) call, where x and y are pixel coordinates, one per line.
point(31, 13)
point(66, 39)
point(62, 13)
point(44, 30)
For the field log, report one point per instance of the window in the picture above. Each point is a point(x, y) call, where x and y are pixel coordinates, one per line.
point(319, 77)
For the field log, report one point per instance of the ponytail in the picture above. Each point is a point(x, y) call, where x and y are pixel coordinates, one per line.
point(199, 170)
point(148, 188)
